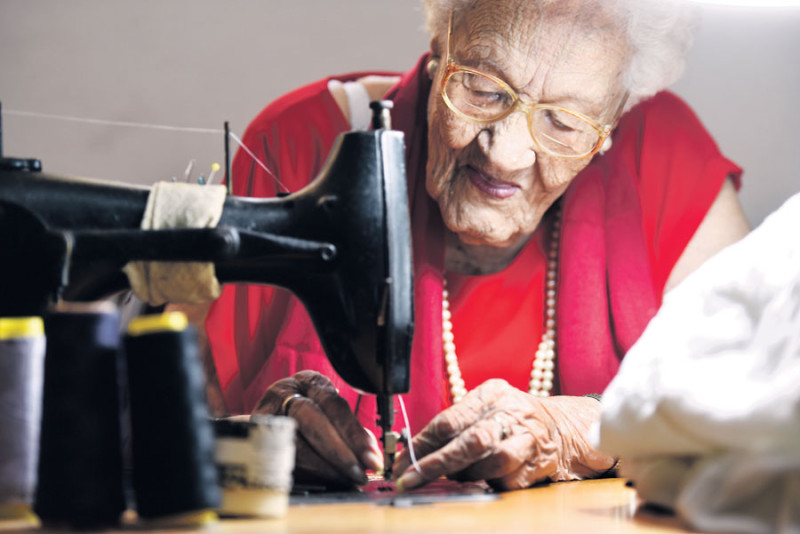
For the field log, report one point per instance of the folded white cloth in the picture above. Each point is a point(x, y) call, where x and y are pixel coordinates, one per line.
point(178, 205)
point(705, 409)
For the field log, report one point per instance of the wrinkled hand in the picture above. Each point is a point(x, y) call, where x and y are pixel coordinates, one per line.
point(333, 448)
point(507, 437)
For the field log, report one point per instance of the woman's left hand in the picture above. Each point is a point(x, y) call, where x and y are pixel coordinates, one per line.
point(507, 437)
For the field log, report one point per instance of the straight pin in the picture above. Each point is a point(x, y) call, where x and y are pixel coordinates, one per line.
point(187, 174)
point(214, 168)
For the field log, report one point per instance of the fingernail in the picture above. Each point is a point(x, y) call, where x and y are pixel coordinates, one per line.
point(373, 461)
point(409, 480)
point(357, 475)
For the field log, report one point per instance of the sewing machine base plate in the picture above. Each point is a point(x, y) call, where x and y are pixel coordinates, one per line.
point(382, 492)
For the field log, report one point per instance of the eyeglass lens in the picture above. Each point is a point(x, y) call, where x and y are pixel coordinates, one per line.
point(557, 130)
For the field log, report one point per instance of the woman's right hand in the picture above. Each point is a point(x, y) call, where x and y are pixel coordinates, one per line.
point(333, 448)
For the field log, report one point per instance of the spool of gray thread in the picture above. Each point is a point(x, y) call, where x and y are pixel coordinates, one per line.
point(22, 348)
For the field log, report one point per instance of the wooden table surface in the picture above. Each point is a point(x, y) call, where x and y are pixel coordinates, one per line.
point(590, 506)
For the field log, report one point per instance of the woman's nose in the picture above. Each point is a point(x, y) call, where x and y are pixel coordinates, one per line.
point(508, 143)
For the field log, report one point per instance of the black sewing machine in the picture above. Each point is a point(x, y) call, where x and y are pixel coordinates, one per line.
point(342, 245)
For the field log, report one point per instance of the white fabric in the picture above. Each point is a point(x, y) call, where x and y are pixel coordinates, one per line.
point(178, 205)
point(705, 410)
point(357, 101)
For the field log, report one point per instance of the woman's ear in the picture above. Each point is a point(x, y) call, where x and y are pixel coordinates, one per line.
point(436, 50)
point(434, 61)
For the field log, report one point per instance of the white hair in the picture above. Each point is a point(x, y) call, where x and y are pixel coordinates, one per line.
point(658, 32)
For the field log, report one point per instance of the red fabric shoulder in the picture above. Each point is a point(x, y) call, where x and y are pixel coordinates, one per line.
point(681, 172)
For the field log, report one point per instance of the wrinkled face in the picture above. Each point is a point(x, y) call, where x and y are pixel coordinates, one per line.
point(491, 182)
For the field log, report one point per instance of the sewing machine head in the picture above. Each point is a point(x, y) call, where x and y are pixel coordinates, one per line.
point(342, 245)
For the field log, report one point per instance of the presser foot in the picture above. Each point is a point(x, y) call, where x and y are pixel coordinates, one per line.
point(390, 441)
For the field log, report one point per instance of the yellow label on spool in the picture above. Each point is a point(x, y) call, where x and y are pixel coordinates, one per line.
point(18, 512)
point(17, 327)
point(192, 519)
point(164, 322)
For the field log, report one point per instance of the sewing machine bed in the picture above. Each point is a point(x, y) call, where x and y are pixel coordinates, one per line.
point(382, 492)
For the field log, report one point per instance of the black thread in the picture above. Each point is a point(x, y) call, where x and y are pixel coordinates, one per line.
point(80, 461)
point(172, 437)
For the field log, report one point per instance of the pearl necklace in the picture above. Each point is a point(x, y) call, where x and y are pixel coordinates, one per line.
point(543, 368)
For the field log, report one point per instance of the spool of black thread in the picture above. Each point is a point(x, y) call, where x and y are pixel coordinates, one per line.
point(80, 461)
point(172, 438)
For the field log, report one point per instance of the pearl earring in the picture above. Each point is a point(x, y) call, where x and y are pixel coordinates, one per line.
point(432, 66)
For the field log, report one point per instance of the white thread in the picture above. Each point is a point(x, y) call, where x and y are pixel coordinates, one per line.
point(408, 429)
point(112, 123)
point(261, 452)
point(263, 166)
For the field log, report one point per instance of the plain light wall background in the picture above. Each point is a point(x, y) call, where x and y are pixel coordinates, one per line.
point(198, 63)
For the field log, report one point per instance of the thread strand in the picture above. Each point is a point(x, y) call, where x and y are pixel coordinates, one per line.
point(408, 429)
point(164, 127)
point(105, 122)
point(258, 161)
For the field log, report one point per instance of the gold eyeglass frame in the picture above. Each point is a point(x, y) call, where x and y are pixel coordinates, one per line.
point(452, 67)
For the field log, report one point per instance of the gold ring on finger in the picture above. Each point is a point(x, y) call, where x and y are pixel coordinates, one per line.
point(505, 431)
point(287, 403)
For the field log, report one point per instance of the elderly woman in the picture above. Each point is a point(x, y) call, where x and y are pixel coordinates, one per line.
point(556, 195)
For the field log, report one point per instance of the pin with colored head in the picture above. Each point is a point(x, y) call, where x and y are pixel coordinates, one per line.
point(214, 169)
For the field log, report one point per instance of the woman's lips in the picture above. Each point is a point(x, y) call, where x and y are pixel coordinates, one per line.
point(489, 186)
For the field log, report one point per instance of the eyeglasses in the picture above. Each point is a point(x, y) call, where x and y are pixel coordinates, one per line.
point(482, 98)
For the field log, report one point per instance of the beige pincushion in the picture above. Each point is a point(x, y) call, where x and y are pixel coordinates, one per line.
point(178, 205)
